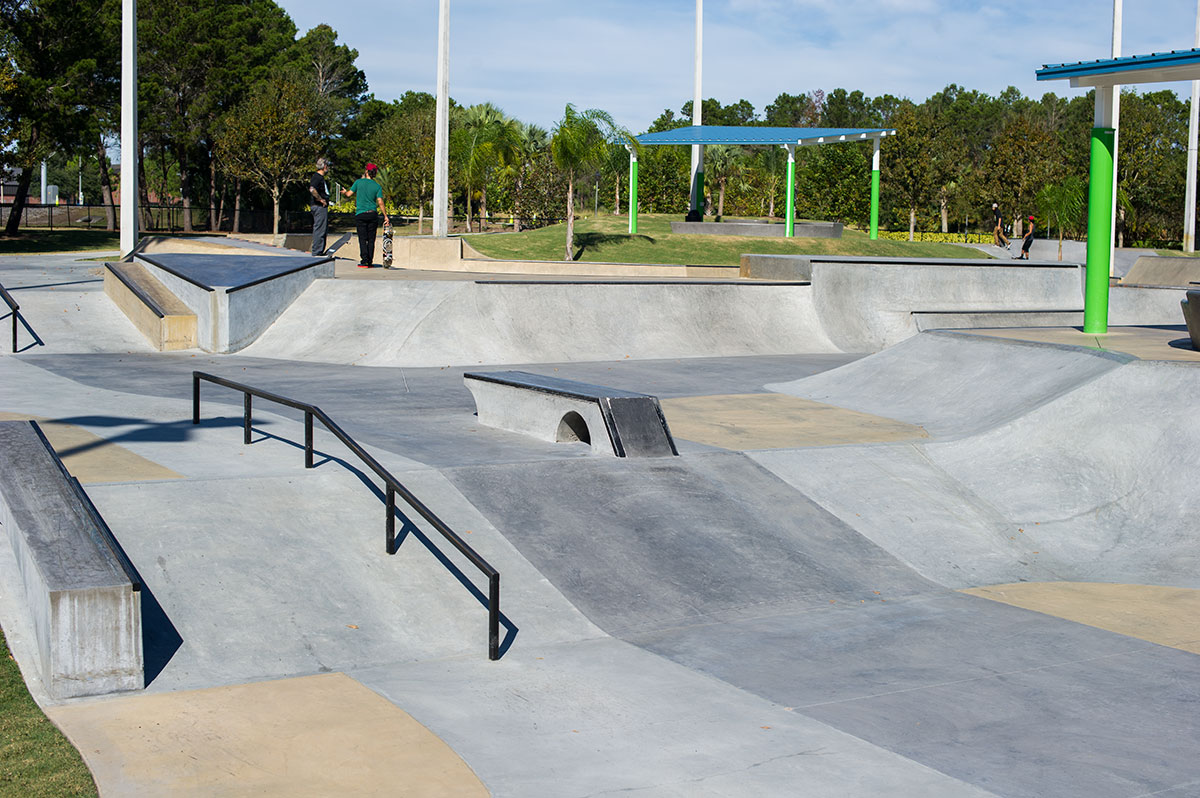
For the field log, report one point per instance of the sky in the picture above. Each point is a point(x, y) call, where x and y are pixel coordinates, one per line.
point(634, 58)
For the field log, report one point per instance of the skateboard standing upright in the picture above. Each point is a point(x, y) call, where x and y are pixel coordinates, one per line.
point(387, 242)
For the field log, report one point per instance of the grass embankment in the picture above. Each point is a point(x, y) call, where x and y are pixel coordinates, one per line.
point(606, 238)
point(36, 760)
point(69, 240)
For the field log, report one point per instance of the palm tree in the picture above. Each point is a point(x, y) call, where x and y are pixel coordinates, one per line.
point(580, 142)
point(721, 163)
point(530, 142)
point(1062, 204)
point(486, 139)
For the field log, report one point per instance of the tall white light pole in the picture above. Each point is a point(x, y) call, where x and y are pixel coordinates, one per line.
point(441, 147)
point(1116, 124)
point(1189, 209)
point(697, 203)
point(129, 132)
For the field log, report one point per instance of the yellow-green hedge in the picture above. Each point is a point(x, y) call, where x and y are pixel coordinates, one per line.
point(950, 238)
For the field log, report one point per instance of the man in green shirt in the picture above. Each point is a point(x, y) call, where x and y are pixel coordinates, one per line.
point(368, 208)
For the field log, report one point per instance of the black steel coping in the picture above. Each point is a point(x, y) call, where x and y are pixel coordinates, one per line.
point(554, 385)
point(137, 290)
point(231, 290)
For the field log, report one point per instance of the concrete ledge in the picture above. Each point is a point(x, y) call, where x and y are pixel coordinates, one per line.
point(759, 229)
point(611, 421)
point(82, 596)
point(157, 313)
point(1191, 316)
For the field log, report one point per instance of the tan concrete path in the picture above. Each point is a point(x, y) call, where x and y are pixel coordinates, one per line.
point(1146, 343)
point(1163, 615)
point(311, 736)
point(777, 421)
point(92, 459)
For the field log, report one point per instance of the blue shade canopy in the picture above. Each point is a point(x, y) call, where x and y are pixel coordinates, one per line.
point(1152, 68)
point(750, 135)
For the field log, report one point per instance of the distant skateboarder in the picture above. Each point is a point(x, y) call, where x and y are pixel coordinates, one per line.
point(368, 208)
point(1027, 242)
point(998, 230)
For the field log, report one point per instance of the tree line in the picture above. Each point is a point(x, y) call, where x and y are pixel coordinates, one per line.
point(235, 104)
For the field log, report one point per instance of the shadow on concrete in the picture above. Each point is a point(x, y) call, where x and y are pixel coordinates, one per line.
point(587, 241)
point(148, 431)
point(160, 638)
point(1181, 343)
point(37, 339)
point(405, 528)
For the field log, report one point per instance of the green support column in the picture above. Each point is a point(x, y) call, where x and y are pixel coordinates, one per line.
point(791, 190)
point(1099, 232)
point(633, 180)
point(875, 193)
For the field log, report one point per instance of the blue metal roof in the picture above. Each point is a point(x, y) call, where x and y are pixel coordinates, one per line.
point(1164, 64)
point(750, 135)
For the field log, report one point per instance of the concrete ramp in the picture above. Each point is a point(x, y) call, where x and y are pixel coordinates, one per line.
point(442, 323)
point(646, 544)
point(1160, 270)
point(955, 384)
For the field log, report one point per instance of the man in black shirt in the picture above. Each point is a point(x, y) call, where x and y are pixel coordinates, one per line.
point(320, 206)
point(998, 230)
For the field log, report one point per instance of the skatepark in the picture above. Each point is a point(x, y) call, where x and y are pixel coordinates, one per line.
point(920, 535)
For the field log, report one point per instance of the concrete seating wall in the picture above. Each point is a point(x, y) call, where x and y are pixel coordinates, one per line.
point(85, 606)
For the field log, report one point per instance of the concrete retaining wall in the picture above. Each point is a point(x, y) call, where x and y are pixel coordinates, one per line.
point(438, 323)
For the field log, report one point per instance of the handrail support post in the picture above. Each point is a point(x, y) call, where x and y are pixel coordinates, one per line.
point(494, 617)
point(391, 521)
point(246, 420)
point(195, 399)
point(308, 440)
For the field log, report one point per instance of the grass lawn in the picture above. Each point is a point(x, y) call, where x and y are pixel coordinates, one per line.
point(606, 238)
point(68, 240)
point(35, 758)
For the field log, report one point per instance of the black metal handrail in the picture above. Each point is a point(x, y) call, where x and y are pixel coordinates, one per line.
point(390, 482)
point(16, 314)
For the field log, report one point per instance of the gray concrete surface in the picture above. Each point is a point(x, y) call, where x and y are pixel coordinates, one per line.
point(467, 323)
point(722, 623)
point(1180, 272)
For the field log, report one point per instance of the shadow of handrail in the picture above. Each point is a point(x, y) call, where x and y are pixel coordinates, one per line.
point(393, 488)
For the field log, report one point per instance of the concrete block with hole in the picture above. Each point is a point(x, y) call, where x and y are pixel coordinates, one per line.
point(611, 421)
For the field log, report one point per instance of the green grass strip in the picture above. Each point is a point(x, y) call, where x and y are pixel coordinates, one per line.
point(605, 239)
point(36, 760)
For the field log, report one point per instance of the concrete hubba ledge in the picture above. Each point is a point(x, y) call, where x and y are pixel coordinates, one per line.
point(611, 421)
point(84, 603)
point(232, 312)
point(759, 229)
point(158, 314)
point(1191, 316)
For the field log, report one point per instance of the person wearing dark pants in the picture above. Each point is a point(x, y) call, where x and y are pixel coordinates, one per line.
point(319, 190)
point(1028, 241)
point(368, 207)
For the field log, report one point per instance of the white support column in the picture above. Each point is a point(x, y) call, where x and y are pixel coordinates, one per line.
point(129, 127)
point(697, 200)
point(1189, 208)
point(441, 146)
point(45, 194)
point(1115, 125)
